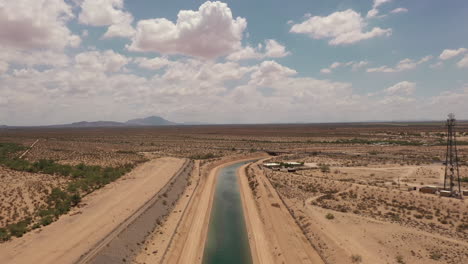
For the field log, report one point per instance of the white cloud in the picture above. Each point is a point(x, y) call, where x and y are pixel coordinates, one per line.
point(355, 65)
point(33, 57)
point(208, 33)
point(401, 88)
point(463, 63)
point(341, 28)
point(246, 53)
point(36, 24)
point(107, 13)
point(437, 65)
point(403, 65)
point(272, 49)
point(399, 10)
point(448, 53)
point(153, 64)
point(3, 67)
point(106, 61)
point(270, 71)
point(375, 11)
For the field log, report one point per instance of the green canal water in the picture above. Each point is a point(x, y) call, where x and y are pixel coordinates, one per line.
point(227, 240)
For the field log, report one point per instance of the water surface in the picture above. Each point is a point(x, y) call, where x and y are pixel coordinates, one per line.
point(227, 241)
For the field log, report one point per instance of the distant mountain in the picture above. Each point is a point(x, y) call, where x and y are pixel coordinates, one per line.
point(150, 121)
point(92, 124)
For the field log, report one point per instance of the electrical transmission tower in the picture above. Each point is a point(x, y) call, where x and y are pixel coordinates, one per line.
point(452, 173)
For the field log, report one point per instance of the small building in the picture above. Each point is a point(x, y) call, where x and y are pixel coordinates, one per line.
point(429, 189)
point(293, 163)
point(272, 165)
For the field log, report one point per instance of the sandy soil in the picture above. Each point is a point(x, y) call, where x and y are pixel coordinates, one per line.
point(189, 242)
point(286, 240)
point(374, 241)
point(261, 247)
point(156, 245)
point(23, 193)
point(100, 212)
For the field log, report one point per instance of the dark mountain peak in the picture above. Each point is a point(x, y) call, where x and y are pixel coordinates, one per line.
point(150, 121)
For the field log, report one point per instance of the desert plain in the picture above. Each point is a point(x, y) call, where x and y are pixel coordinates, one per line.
point(354, 199)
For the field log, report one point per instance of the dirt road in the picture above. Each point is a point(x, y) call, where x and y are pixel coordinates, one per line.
point(287, 242)
point(77, 232)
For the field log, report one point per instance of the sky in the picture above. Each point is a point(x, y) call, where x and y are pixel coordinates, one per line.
point(239, 61)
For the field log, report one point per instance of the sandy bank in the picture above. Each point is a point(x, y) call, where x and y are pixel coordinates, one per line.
point(285, 240)
point(189, 242)
point(101, 212)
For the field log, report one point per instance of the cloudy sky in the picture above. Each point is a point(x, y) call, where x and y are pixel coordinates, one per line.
point(239, 61)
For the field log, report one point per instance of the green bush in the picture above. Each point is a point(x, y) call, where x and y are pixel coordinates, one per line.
point(19, 228)
point(4, 235)
point(47, 220)
point(330, 216)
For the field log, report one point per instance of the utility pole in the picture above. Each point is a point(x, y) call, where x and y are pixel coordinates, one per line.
point(452, 172)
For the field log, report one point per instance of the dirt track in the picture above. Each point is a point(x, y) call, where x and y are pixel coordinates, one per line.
point(77, 232)
point(287, 243)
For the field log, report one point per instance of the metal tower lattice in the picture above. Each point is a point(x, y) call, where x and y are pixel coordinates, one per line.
point(452, 172)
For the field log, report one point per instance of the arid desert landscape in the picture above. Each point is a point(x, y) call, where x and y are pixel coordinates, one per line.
point(345, 193)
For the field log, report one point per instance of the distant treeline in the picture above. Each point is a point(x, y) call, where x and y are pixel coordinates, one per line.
point(84, 179)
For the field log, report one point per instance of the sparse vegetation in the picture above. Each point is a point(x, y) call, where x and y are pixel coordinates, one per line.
point(203, 156)
point(329, 216)
point(356, 259)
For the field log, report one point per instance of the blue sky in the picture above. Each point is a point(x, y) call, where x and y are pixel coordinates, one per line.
point(232, 61)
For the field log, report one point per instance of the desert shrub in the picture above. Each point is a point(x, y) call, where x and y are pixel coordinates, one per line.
point(462, 227)
point(400, 260)
point(18, 229)
point(435, 255)
point(4, 235)
point(356, 258)
point(46, 220)
point(203, 156)
point(325, 168)
point(75, 199)
point(330, 216)
point(128, 151)
point(464, 179)
point(7, 149)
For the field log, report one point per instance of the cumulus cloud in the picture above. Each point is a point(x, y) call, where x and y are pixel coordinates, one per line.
point(375, 11)
point(448, 53)
point(34, 57)
point(463, 63)
point(403, 65)
point(272, 49)
point(107, 13)
point(401, 88)
point(36, 24)
point(355, 65)
point(154, 63)
point(270, 71)
point(209, 32)
point(399, 10)
point(3, 67)
point(345, 27)
point(106, 61)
